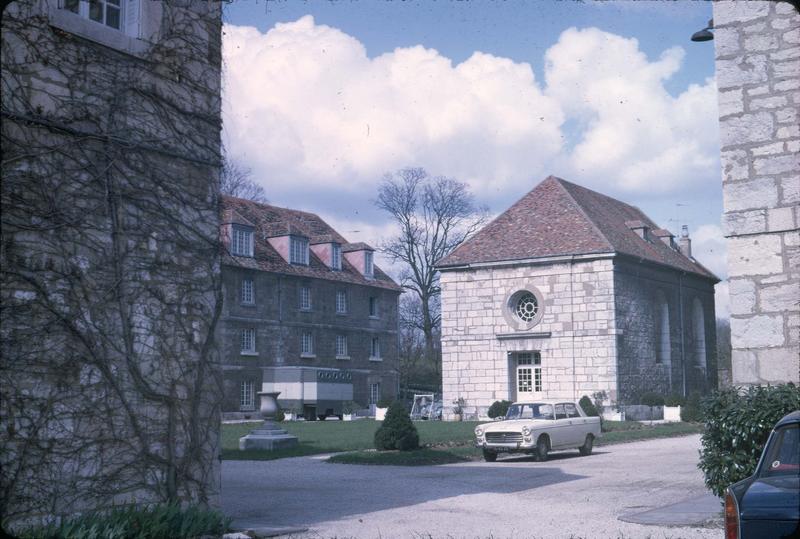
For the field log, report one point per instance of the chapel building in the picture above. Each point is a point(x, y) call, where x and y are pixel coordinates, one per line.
point(305, 313)
point(570, 292)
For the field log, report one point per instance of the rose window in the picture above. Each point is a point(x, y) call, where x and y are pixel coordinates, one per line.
point(527, 307)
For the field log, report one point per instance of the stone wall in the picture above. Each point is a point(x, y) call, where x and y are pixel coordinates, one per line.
point(576, 334)
point(110, 261)
point(758, 79)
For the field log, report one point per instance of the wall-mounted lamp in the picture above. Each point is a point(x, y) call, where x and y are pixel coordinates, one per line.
point(704, 34)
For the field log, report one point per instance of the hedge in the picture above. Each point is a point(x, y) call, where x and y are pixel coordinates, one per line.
point(737, 425)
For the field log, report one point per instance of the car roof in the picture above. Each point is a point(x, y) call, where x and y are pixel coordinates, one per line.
point(788, 419)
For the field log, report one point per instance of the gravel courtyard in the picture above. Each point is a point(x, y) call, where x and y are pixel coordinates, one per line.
point(515, 497)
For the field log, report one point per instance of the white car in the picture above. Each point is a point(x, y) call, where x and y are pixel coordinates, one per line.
point(538, 427)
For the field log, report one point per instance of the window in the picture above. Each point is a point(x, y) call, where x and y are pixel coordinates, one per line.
point(527, 307)
point(307, 345)
point(341, 302)
point(247, 399)
point(106, 12)
point(375, 349)
point(341, 346)
point(248, 341)
point(529, 372)
point(242, 241)
point(374, 393)
point(305, 298)
point(369, 270)
point(247, 292)
point(373, 307)
point(572, 410)
point(298, 252)
point(336, 256)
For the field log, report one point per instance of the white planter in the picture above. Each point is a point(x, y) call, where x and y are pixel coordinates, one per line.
point(672, 413)
point(380, 414)
point(614, 416)
point(288, 416)
point(348, 417)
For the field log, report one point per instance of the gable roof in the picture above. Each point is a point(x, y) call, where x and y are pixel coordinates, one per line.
point(269, 221)
point(560, 218)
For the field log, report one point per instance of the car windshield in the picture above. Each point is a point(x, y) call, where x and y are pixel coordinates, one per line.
point(536, 410)
point(783, 453)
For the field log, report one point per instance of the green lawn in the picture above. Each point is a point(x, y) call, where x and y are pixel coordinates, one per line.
point(445, 441)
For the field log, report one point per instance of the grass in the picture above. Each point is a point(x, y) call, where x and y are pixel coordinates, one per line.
point(443, 442)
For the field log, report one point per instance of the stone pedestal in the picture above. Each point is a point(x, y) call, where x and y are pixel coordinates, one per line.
point(269, 436)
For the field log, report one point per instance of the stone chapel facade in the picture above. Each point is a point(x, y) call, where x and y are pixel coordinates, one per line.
point(570, 292)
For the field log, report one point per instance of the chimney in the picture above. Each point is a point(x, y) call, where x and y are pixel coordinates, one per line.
point(684, 243)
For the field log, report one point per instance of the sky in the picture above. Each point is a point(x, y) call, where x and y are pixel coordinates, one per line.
point(322, 98)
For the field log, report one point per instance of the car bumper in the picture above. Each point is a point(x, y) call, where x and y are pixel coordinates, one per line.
point(507, 447)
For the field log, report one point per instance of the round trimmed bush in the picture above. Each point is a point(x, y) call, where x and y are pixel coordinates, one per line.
point(651, 399)
point(674, 400)
point(397, 430)
point(588, 406)
point(498, 409)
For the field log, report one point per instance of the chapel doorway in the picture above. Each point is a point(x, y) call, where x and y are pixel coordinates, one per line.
point(528, 375)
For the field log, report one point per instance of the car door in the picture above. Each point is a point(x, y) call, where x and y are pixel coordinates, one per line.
point(560, 431)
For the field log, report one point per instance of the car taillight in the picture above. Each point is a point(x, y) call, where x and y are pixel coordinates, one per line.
point(731, 517)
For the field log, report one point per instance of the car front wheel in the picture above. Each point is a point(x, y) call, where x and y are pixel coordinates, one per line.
point(586, 448)
point(542, 448)
point(489, 456)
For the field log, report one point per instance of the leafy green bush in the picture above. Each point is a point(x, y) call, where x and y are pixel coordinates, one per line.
point(384, 402)
point(498, 409)
point(674, 400)
point(397, 430)
point(691, 410)
point(588, 406)
point(651, 399)
point(351, 407)
point(136, 523)
point(737, 425)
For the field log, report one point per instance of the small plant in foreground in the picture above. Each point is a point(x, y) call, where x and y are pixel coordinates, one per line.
point(136, 522)
point(737, 425)
point(397, 430)
point(498, 409)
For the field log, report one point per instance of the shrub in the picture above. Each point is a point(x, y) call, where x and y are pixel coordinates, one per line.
point(128, 522)
point(498, 409)
point(674, 400)
point(588, 406)
point(737, 425)
point(397, 430)
point(691, 412)
point(351, 407)
point(280, 416)
point(384, 402)
point(651, 399)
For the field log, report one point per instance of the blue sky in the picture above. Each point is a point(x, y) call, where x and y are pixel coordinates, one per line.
point(324, 97)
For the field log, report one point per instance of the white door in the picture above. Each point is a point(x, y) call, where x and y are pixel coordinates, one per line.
point(529, 375)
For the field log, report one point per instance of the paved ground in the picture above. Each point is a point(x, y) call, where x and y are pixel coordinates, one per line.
point(628, 490)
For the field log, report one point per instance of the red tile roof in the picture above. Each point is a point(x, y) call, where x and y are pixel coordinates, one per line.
point(268, 221)
point(559, 218)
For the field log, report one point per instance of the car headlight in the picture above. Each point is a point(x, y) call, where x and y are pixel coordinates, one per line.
point(478, 432)
point(526, 431)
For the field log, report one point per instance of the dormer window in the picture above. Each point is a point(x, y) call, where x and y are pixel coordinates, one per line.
point(241, 241)
point(336, 256)
point(298, 252)
point(369, 269)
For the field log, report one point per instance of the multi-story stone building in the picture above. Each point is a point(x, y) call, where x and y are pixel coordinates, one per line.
point(305, 313)
point(570, 292)
point(109, 257)
point(758, 80)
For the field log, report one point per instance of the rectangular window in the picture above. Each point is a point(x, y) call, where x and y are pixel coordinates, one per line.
point(341, 346)
point(106, 12)
point(369, 269)
point(247, 401)
point(374, 393)
point(375, 349)
point(373, 307)
point(247, 292)
point(341, 302)
point(529, 372)
point(298, 253)
point(307, 345)
point(305, 298)
point(336, 256)
point(248, 341)
point(242, 241)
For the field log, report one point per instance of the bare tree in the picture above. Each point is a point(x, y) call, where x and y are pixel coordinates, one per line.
point(237, 181)
point(435, 215)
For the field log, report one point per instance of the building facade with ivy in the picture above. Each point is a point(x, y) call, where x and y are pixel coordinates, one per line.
point(569, 293)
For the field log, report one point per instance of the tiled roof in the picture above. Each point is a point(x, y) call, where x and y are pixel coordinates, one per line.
point(559, 218)
point(268, 220)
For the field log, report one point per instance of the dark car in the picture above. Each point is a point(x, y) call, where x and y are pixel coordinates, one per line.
point(767, 504)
